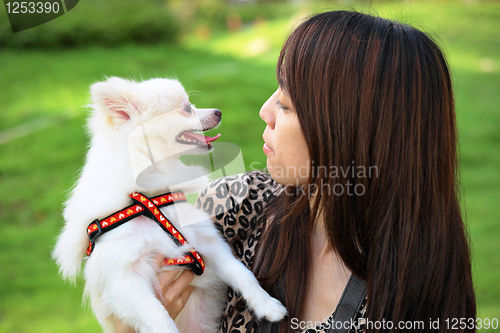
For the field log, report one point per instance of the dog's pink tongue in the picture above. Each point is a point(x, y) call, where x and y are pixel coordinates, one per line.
point(212, 138)
point(199, 137)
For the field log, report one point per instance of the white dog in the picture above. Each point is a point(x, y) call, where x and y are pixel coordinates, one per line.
point(138, 131)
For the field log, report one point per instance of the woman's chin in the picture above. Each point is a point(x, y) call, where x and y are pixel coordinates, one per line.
point(279, 175)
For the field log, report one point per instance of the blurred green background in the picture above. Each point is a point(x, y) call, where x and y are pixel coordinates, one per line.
point(224, 52)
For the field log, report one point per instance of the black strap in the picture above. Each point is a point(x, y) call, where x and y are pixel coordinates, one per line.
point(345, 313)
point(349, 305)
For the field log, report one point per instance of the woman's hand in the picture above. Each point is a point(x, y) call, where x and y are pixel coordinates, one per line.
point(174, 289)
point(173, 292)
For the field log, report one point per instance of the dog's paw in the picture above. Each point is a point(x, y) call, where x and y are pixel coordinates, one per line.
point(272, 310)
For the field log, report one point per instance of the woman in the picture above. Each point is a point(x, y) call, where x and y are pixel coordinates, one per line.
point(365, 106)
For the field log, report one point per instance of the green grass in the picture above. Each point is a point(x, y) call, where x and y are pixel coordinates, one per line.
point(233, 72)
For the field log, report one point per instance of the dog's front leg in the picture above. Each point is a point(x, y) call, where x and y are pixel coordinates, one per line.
point(242, 280)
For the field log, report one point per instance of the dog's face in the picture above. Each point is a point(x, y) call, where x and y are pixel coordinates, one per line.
point(155, 117)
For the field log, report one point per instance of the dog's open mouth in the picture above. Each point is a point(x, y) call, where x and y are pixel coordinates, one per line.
point(192, 138)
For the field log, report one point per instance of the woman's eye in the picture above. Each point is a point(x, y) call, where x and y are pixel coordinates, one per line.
point(188, 109)
point(281, 106)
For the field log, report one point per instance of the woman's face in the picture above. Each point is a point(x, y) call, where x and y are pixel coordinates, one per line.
point(284, 143)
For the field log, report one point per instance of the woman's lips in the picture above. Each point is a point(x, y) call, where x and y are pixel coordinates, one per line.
point(267, 150)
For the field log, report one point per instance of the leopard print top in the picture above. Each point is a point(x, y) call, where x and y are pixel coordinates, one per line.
point(236, 205)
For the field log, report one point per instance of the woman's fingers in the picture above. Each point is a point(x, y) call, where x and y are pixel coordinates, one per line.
point(176, 293)
point(174, 289)
point(183, 298)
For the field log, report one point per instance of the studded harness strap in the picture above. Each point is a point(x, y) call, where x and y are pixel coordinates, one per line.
point(150, 208)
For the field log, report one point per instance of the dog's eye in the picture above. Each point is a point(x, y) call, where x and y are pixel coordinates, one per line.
point(188, 109)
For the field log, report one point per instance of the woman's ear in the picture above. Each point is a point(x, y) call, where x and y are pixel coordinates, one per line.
point(116, 99)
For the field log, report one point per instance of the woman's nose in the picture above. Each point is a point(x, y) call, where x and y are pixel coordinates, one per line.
point(267, 112)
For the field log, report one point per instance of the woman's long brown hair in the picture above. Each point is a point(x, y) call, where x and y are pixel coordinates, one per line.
point(375, 94)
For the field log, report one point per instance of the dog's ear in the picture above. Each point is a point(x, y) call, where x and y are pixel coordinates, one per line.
point(116, 98)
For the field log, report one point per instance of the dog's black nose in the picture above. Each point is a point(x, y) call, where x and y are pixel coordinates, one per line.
point(218, 113)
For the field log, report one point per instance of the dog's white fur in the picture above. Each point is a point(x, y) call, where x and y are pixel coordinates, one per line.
point(121, 273)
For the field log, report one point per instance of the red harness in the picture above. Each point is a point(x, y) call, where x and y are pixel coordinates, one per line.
point(150, 208)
